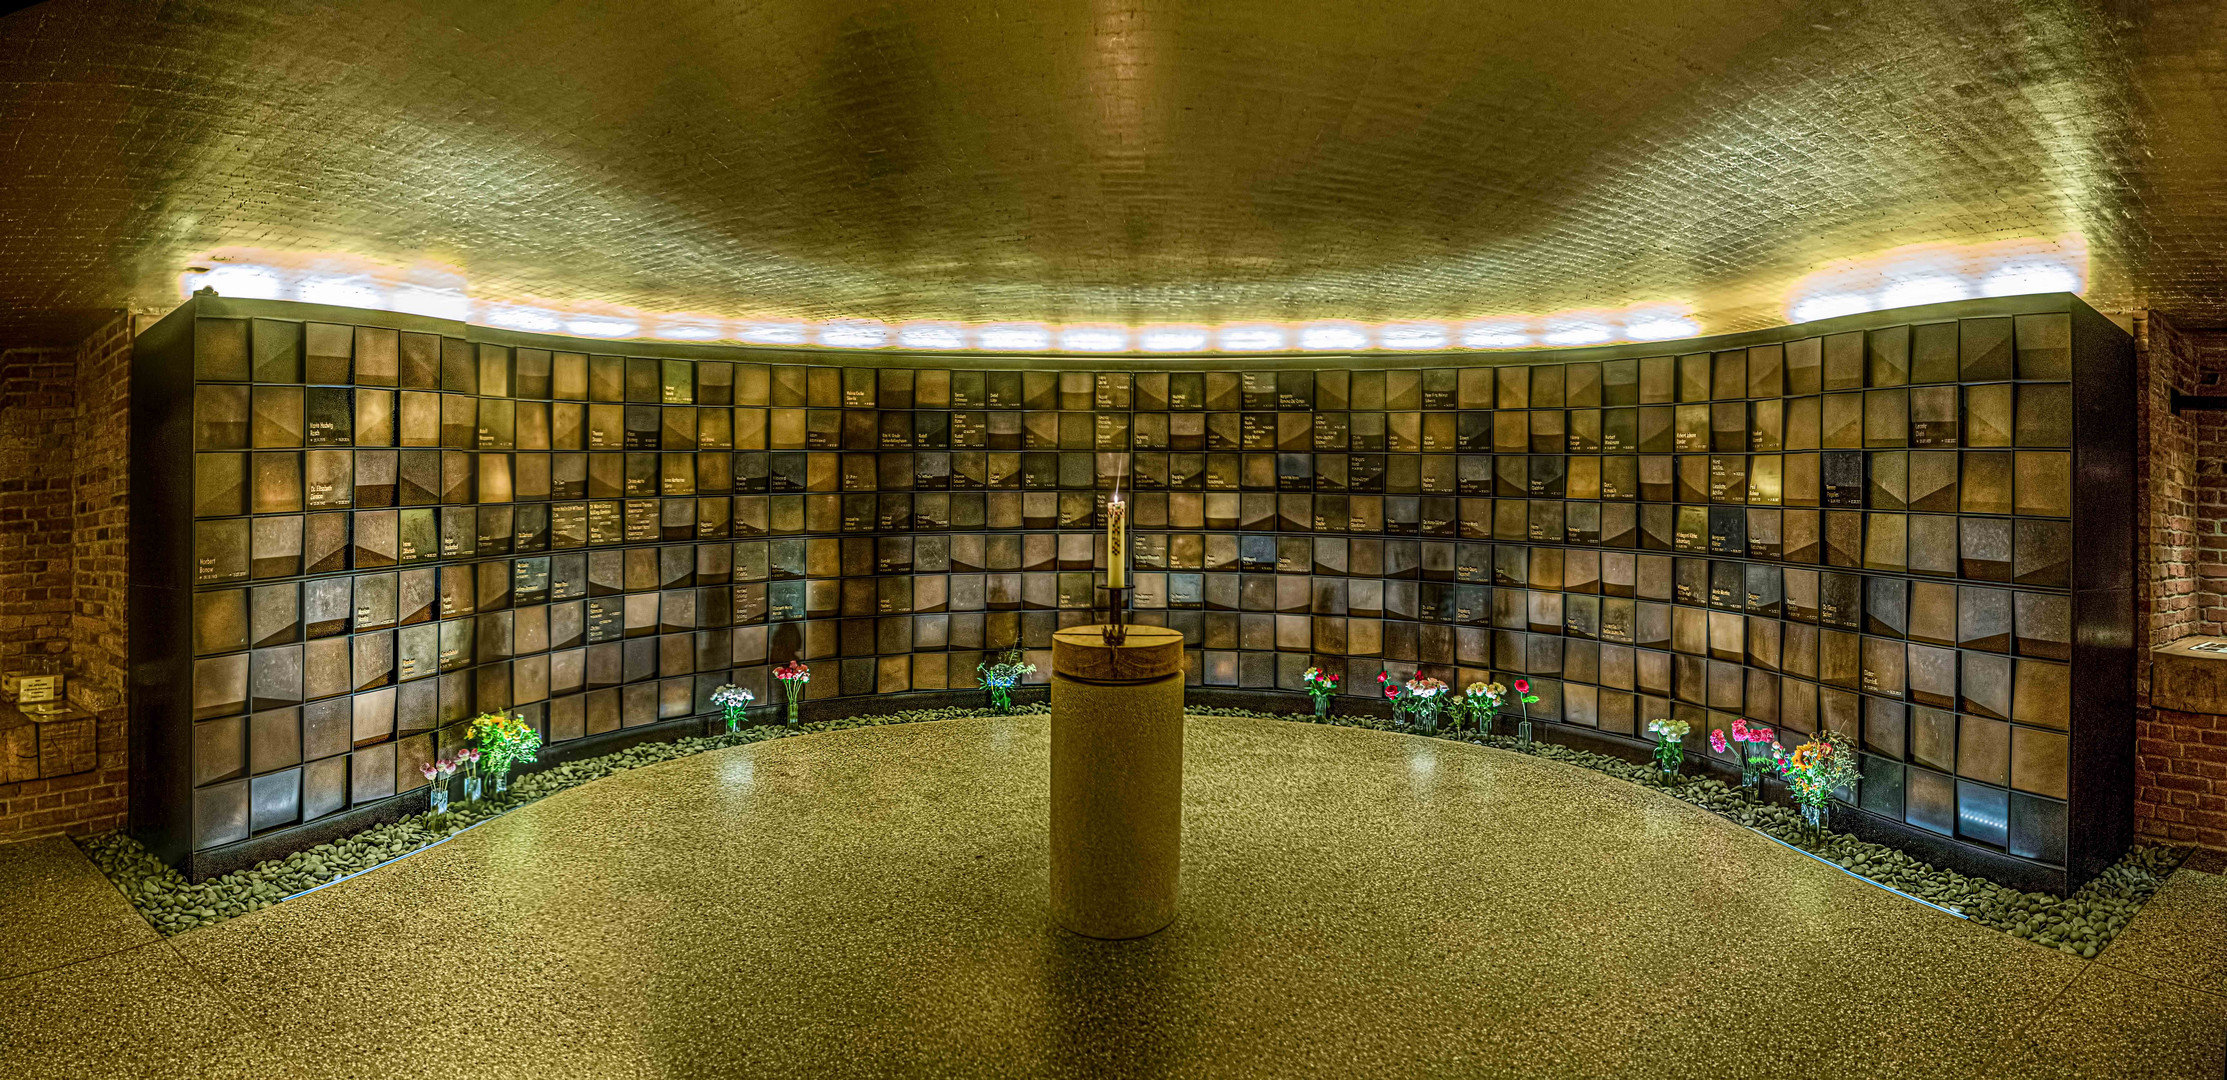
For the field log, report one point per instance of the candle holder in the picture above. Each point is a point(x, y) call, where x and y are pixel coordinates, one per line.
point(1117, 618)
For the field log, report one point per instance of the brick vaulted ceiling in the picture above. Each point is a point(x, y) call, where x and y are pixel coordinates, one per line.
point(1119, 160)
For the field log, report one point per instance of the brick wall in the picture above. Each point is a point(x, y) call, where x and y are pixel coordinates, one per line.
point(2181, 769)
point(64, 448)
point(37, 418)
point(100, 508)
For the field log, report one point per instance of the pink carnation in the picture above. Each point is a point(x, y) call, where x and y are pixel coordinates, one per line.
point(1716, 738)
point(1761, 734)
point(1739, 729)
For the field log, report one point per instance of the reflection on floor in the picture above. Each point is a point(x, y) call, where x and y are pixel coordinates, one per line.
point(871, 902)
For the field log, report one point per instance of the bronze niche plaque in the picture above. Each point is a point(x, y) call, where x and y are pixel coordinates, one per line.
point(1984, 349)
point(377, 543)
point(1987, 415)
point(220, 350)
point(1843, 540)
point(419, 478)
point(329, 416)
point(324, 543)
point(417, 596)
point(1985, 550)
point(568, 525)
point(275, 547)
point(420, 361)
point(220, 485)
point(418, 536)
point(329, 479)
point(1840, 601)
point(1728, 532)
point(275, 677)
point(1984, 619)
point(1763, 590)
point(1842, 480)
point(277, 484)
point(274, 614)
point(2042, 553)
point(376, 473)
point(1801, 595)
point(2044, 625)
point(220, 621)
point(1986, 685)
point(418, 419)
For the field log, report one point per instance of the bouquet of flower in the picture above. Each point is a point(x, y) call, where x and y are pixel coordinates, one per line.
point(1754, 758)
point(1814, 771)
point(793, 676)
point(439, 770)
point(467, 759)
point(1670, 745)
point(1526, 699)
point(1419, 699)
point(1479, 701)
point(504, 739)
point(732, 700)
point(1322, 686)
point(1001, 677)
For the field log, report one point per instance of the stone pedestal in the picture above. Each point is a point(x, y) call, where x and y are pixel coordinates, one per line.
point(1117, 780)
point(2190, 675)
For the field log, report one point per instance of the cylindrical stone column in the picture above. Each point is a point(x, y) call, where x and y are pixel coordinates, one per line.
point(1117, 780)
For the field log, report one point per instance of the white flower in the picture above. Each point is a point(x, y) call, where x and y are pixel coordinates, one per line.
point(732, 696)
point(1425, 687)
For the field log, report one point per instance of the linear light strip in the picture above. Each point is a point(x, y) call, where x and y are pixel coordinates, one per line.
point(1840, 290)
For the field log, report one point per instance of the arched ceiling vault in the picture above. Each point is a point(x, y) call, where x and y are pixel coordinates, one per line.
point(1124, 161)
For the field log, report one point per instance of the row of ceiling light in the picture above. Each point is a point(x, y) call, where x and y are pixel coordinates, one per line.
point(1896, 280)
point(269, 282)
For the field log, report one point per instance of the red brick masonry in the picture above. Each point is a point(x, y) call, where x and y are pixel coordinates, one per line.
point(2181, 784)
point(2181, 758)
point(64, 450)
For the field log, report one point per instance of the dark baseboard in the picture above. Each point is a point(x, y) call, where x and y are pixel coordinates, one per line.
point(1940, 851)
point(217, 862)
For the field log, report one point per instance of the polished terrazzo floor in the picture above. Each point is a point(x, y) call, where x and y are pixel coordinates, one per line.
point(872, 903)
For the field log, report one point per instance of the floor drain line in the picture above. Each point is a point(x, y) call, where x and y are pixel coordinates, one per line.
point(1873, 882)
point(392, 861)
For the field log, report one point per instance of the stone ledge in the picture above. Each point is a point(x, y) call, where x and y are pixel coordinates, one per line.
point(40, 746)
point(2190, 675)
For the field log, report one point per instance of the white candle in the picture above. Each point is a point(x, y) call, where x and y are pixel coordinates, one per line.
point(1117, 542)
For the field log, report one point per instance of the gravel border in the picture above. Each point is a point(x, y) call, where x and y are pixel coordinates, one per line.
point(2081, 924)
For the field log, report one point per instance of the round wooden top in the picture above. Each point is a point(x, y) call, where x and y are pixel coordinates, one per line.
point(1148, 653)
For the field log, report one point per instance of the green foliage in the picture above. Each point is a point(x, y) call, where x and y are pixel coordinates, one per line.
point(504, 740)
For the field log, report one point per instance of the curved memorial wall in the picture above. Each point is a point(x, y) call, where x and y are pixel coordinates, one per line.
point(354, 529)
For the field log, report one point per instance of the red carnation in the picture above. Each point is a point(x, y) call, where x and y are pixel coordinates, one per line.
point(1522, 686)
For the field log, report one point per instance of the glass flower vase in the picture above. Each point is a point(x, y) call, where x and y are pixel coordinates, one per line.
point(1426, 720)
point(1322, 706)
point(1814, 816)
point(796, 707)
point(734, 718)
point(472, 788)
point(439, 796)
point(1670, 755)
point(502, 781)
point(1523, 735)
point(1001, 700)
